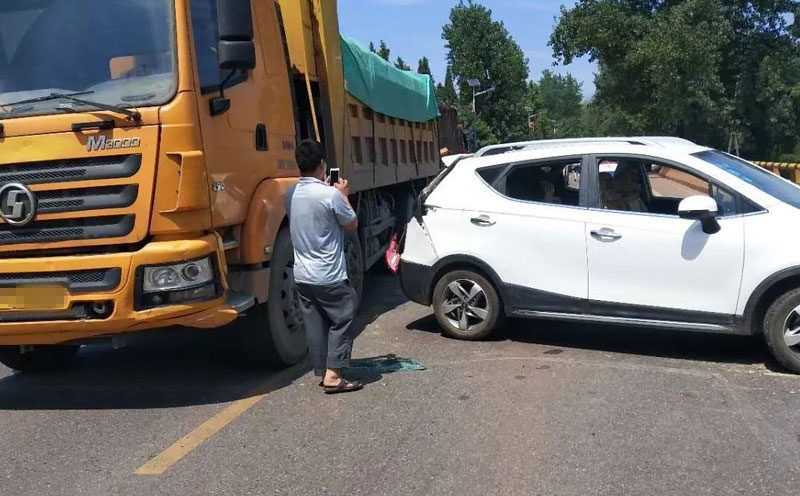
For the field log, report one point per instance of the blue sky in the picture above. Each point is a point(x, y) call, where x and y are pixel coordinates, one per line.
point(413, 28)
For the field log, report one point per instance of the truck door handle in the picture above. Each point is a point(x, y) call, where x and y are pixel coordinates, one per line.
point(606, 234)
point(482, 221)
point(262, 142)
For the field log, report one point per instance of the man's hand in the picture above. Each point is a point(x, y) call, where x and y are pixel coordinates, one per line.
point(343, 186)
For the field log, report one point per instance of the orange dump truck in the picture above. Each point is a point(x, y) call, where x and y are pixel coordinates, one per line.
point(145, 149)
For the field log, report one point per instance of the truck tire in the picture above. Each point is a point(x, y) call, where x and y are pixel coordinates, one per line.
point(780, 320)
point(466, 305)
point(42, 358)
point(355, 263)
point(272, 333)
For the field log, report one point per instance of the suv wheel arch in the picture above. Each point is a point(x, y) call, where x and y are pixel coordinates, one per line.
point(767, 292)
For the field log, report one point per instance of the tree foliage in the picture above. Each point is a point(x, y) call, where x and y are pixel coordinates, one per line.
point(424, 67)
point(482, 48)
point(383, 51)
point(560, 102)
point(446, 93)
point(700, 69)
point(401, 64)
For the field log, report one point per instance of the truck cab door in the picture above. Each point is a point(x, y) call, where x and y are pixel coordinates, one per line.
point(255, 138)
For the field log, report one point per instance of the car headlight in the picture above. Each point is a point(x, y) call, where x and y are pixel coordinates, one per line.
point(177, 276)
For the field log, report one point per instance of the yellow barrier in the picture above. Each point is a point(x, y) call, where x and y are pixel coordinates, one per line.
point(787, 170)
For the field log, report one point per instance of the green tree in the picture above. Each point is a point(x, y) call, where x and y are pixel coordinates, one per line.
point(446, 93)
point(561, 97)
point(699, 69)
point(424, 67)
point(401, 64)
point(481, 48)
point(384, 51)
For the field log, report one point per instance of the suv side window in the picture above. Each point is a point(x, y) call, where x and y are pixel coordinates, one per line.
point(555, 183)
point(638, 185)
point(206, 35)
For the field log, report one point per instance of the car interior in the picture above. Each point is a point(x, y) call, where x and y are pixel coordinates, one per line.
point(543, 183)
point(639, 186)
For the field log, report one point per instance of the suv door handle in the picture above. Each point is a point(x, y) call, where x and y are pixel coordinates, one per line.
point(606, 234)
point(482, 221)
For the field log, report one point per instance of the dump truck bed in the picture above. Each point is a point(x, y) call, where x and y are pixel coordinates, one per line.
point(378, 122)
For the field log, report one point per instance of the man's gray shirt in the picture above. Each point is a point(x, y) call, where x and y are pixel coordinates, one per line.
point(317, 213)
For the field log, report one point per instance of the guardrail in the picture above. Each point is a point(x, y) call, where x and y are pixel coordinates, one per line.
point(787, 170)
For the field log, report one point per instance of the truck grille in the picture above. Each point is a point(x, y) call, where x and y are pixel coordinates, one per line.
point(71, 170)
point(76, 280)
point(70, 200)
point(64, 229)
point(78, 207)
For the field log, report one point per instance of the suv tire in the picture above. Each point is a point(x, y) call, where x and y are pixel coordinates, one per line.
point(466, 305)
point(781, 318)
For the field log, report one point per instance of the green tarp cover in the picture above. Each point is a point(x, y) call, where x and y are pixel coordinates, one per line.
point(385, 88)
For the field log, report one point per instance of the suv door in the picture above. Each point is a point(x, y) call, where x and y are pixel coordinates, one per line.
point(644, 260)
point(528, 224)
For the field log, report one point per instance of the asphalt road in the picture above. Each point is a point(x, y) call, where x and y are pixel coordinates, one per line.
point(547, 409)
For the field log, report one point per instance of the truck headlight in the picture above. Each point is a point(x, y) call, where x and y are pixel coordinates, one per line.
point(177, 276)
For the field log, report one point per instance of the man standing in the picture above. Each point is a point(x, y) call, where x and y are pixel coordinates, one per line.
point(318, 216)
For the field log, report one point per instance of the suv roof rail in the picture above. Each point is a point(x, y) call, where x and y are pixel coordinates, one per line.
point(554, 143)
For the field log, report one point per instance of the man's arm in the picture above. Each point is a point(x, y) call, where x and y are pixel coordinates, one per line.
point(341, 206)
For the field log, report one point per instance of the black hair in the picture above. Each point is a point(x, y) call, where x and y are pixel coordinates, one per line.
point(309, 154)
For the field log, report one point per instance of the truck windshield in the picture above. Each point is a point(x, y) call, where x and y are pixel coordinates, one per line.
point(762, 179)
point(122, 52)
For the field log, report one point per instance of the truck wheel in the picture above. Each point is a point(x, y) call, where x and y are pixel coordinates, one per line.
point(272, 333)
point(42, 358)
point(466, 305)
point(355, 262)
point(782, 330)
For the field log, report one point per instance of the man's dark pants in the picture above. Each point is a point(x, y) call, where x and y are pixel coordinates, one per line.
point(328, 313)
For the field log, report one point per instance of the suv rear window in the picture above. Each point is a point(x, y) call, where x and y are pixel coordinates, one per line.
point(555, 183)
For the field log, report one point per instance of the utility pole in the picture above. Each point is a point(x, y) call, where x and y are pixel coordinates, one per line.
point(474, 83)
point(733, 142)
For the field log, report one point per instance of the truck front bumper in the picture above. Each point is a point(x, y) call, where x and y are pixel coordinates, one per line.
point(101, 293)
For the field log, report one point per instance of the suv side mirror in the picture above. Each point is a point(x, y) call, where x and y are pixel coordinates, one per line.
point(235, 49)
point(702, 208)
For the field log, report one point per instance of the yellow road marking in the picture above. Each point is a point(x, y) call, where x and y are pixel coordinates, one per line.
point(189, 442)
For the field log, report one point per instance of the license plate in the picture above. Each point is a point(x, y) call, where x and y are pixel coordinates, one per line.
point(33, 298)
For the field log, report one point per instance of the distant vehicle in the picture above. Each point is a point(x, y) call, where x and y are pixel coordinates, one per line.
point(655, 232)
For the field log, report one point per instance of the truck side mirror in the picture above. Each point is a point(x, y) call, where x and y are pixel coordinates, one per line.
point(235, 49)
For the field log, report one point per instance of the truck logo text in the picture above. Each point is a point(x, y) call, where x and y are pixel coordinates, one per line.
point(96, 143)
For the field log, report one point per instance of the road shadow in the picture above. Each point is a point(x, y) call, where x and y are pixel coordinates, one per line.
point(696, 346)
point(381, 295)
point(169, 368)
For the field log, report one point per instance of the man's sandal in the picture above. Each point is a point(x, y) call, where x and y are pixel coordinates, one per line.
point(344, 386)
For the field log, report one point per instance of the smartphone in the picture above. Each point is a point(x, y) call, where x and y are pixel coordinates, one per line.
point(334, 176)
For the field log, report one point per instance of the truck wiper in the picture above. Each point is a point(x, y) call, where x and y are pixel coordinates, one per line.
point(131, 114)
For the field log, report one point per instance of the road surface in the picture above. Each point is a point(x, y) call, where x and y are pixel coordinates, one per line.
point(546, 409)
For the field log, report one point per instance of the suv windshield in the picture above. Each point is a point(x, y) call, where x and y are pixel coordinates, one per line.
point(120, 51)
point(762, 179)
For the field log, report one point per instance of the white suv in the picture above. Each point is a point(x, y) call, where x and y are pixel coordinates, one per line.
point(655, 232)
